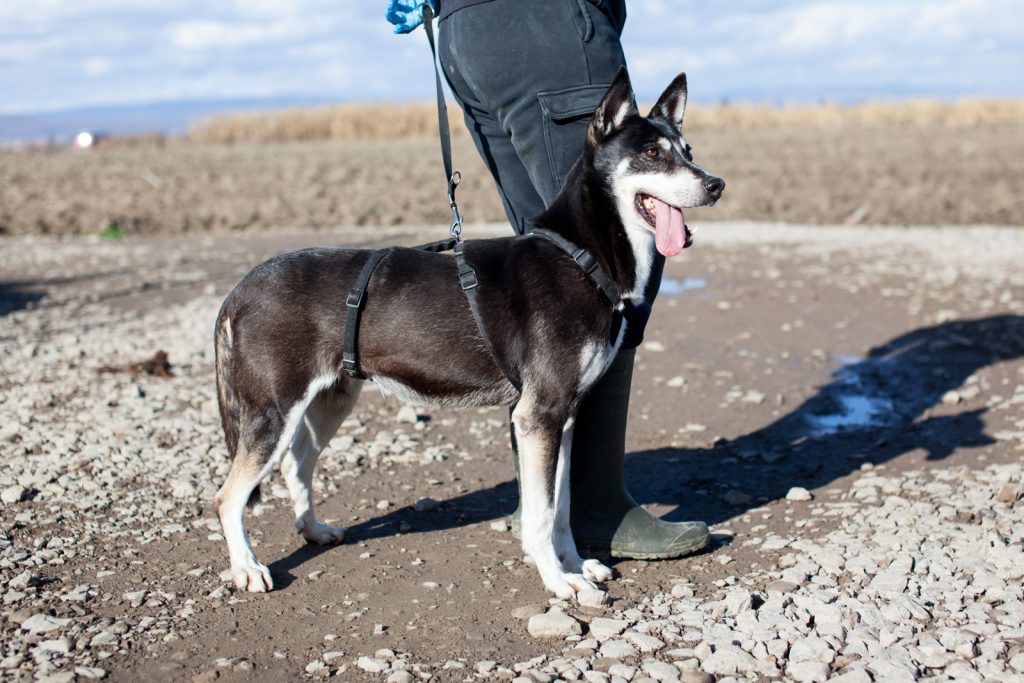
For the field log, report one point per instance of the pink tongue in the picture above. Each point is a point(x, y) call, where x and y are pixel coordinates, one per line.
point(669, 228)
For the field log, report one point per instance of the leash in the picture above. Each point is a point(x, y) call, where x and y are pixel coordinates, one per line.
point(452, 178)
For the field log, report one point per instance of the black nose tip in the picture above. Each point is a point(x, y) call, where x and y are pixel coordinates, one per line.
point(714, 186)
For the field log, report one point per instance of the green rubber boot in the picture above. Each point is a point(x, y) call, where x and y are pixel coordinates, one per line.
point(604, 516)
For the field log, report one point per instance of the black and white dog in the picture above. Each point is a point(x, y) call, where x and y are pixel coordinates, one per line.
point(279, 333)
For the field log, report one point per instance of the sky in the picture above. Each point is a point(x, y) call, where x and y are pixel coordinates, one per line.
point(61, 54)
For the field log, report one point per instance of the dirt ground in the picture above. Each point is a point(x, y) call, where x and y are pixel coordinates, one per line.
point(777, 357)
point(885, 175)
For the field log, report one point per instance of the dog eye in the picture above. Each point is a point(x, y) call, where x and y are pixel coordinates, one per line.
point(651, 152)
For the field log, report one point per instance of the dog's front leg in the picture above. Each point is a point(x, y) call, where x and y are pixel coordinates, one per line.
point(565, 545)
point(539, 432)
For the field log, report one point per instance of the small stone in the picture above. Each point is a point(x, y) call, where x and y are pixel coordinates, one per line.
point(401, 676)
point(618, 649)
point(606, 628)
point(104, 638)
point(643, 642)
point(736, 497)
point(554, 624)
point(373, 665)
point(485, 667)
point(893, 582)
point(425, 504)
point(682, 590)
point(807, 672)
point(59, 645)
point(91, 672)
point(318, 669)
point(527, 611)
point(852, 676)
point(384, 504)
point(499, 525)
point(727, 660)
point(407, 414)
point(781, 586)
point(676, 381)
point(1009, 494)
point(951, 397)
point(332, 655)
point(13, 494)
point(660, 671)
point(43, 623)
point(1017, 663)
point(737, 600)
point(206, 676)
point(775, 543)
point(811, 649)
point(695, 677)
point(592, 598)
point(799, 494)
point(755, 397)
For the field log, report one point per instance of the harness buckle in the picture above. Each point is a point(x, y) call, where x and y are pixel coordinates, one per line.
point(348, 364)
point(355, 297)
point(468, 279)
point(585, 260)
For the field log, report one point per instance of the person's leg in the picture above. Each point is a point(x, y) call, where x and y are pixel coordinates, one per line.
point(532, 72)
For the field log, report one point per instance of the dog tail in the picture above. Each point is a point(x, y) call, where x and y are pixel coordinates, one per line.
point(227, 397)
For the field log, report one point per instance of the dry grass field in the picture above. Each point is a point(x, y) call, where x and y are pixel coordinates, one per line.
point(876, 163)
point(419, 119)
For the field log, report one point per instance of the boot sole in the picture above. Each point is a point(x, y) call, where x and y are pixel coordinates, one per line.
point(626, 554)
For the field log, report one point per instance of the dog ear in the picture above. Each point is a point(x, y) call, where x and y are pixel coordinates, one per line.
point(617, 106)
point(672, 103)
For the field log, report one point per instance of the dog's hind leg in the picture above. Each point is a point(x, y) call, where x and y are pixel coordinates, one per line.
point(252, 462)
point(323, 417)
point(539, 434)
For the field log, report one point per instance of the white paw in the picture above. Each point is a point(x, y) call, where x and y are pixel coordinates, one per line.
point(321, 534)
point(254, 578)
point(595, 571)
point(566, 585)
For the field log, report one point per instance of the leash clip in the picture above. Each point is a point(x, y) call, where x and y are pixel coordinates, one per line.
point(455, 229)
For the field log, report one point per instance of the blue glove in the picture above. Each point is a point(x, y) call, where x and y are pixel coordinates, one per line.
point(406, 14)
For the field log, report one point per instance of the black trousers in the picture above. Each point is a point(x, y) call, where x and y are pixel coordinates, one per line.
point(528, 75)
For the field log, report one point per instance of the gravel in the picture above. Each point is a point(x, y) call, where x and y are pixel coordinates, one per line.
point(917, 574)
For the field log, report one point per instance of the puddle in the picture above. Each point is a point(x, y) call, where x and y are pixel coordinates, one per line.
point(855, 407)
point(670, 285)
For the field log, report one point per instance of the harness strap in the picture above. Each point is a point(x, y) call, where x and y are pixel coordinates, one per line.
point(585, 260)
point(469, 282)
point(357, 297)
point(354, 304)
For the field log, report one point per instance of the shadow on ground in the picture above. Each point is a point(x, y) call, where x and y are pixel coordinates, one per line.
point(15, 296)
point(873, 410)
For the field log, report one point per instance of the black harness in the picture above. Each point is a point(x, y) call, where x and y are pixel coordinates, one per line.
point(467, 275)
point(469, 282)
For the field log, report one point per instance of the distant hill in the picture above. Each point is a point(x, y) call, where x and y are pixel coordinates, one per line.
point(169, 118)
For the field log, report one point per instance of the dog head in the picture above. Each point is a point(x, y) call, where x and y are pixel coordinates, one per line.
point(647, 164)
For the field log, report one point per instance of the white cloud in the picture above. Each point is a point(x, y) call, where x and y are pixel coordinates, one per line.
point(745, 49)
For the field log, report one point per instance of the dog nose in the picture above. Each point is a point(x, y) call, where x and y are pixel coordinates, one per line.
point(714, 186)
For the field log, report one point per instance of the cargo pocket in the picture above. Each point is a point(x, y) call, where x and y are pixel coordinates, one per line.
point(566, 115)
